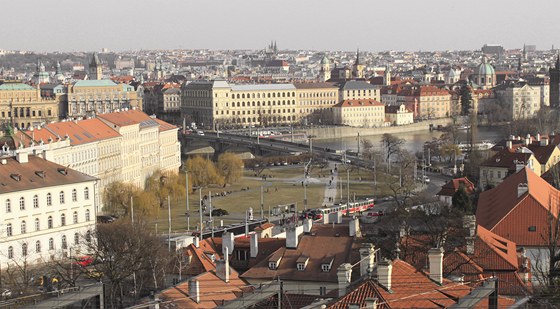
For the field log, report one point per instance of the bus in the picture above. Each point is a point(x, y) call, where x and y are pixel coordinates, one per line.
point(353, 207)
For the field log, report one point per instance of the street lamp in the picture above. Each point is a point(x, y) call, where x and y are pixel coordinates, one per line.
point(305, 173)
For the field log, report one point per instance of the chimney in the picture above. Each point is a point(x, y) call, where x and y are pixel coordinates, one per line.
point(521, 189)
point(435, 258)
point(22, 157)
point(196, 242)
point(326, 218)
point(222, 267)
point(370, 303)
point(194, 290)
point(544, 141)
point(227, 242)
point(384, 272)
point(509, 144)
point(355, 228)
point(344, 274)
point(538, 137)
point(254, 245)
point(307, 225)
point(291, 237)
point(338, 217)
point(469, 223)
point(367, 259)
point(519, 165)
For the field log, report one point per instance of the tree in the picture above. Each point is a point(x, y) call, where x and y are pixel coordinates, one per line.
point(391, 144)
point(163, 185)
point(230, 166)
point(367, 148)
point(117, 197)
point(462, 200)
point(466, 100)
point(203, 172)
point(122, 252)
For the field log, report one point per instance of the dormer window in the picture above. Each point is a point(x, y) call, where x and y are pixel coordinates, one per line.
point(274, 261)
point(16, 177)
point(326, 264)
point(272, 265)
point(325, 267)
point(301, 262)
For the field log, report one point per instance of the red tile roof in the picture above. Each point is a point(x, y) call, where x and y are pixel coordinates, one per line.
point(504, 212)
point(453, 185)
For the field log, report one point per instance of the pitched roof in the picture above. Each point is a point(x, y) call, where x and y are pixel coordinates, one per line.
point(79, 132)
point(322, 243)
point(507, 158)
point(304, 86)
point(213, 292)
point(357, 85)
point(129, 117)
point(542, 153)
point(495, 204)
point(94, 83)
point(15, 86)
point(164, 126)
point(36, 173)
point(453, 185)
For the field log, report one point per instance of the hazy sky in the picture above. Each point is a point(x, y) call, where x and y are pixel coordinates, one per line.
point(373, 25)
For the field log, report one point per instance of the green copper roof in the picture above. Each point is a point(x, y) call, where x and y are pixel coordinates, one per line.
point(15, 86)
point(94, 83)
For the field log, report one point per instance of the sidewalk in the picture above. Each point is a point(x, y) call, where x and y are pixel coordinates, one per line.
point(331, 185)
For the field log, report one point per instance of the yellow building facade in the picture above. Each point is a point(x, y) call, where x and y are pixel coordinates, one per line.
point(22, 106)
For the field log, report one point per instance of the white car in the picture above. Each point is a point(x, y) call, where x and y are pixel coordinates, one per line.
point(200, 132)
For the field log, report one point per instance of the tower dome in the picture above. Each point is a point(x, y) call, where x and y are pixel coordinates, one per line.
point(485, 75)
point(485, 68)
point(325, 60)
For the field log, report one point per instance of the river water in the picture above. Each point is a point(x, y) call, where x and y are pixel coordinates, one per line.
point(414, 141)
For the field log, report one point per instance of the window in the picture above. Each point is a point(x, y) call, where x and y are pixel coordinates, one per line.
point(64, 244)
point(37, 226)
point(10, 252)
point(8, 205)
point(50, 222)
point(325, 267)
point(37, 246)
point(22, 203)
point(76, 239)
point(35, 201)
point(75, 217)
point(88, 236)
point(24, 249)
point(61, 197)
point(49, 199)
point(300, 266)
point(87, 215)
point(51, 244)
point(62, 220)
point(23, 227)
point(532, 228)
point(74, 195)
point(9, 229)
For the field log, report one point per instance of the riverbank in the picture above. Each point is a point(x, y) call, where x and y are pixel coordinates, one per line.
point(330, 132)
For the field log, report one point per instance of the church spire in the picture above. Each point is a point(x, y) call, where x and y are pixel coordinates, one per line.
point(558, 61)
point(358, 56)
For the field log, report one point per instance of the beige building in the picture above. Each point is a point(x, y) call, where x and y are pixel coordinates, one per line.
point(522, 100)
point(87, 98)
point(22, 106)
point(359, 113)
point(358, 90)
point(314, 102)
point(507, 162)
point(217, 103)
point(399, 115)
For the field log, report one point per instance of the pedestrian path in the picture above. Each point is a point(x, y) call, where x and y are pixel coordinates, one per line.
point(331, 182)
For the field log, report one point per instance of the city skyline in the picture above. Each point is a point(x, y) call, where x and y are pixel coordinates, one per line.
point(251, 24)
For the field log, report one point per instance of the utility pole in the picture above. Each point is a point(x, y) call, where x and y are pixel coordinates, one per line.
point(305, 184)
point(187, 213)
point(210, 207)
point(358, 144)
point(200, 209)
point(347, 191)
point(169, 224)
point(262, 203)
point(132, 210)
point(280, 292)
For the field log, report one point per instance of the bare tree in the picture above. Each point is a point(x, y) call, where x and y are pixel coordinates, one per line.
point(391, 145)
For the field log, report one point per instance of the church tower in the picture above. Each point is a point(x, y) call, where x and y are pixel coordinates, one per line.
point(555, 84)
point(325, 73)
point(358, 67)
point(387, 77)
point(95, 69)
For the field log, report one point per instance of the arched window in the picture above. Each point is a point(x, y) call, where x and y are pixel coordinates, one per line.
point(22, 203)
point(51, 244)
point(50, 222)
point(37, 225)
point(87, 215)
point(64, 243)
point(86, 193)
point(61, 197)
point(74, 195)
point(88, 236)
point(76, 239)
point(62, 220)
point(49, 199)
point(8, 205)
point(23, 227)
point(75, 217)
point(24, 249)
point(35, 201)
point(9, 229)
point(37, 246)
point(10, 252)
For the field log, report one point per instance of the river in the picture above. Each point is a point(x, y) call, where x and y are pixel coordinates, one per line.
point(414, 141)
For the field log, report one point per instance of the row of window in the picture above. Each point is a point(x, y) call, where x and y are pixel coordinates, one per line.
point(61, 199)
point(264, 95)
point(50, 224)
point(27, 113)
point(64, 245)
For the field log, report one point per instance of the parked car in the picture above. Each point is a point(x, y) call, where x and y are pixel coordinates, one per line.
point(218, 212)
